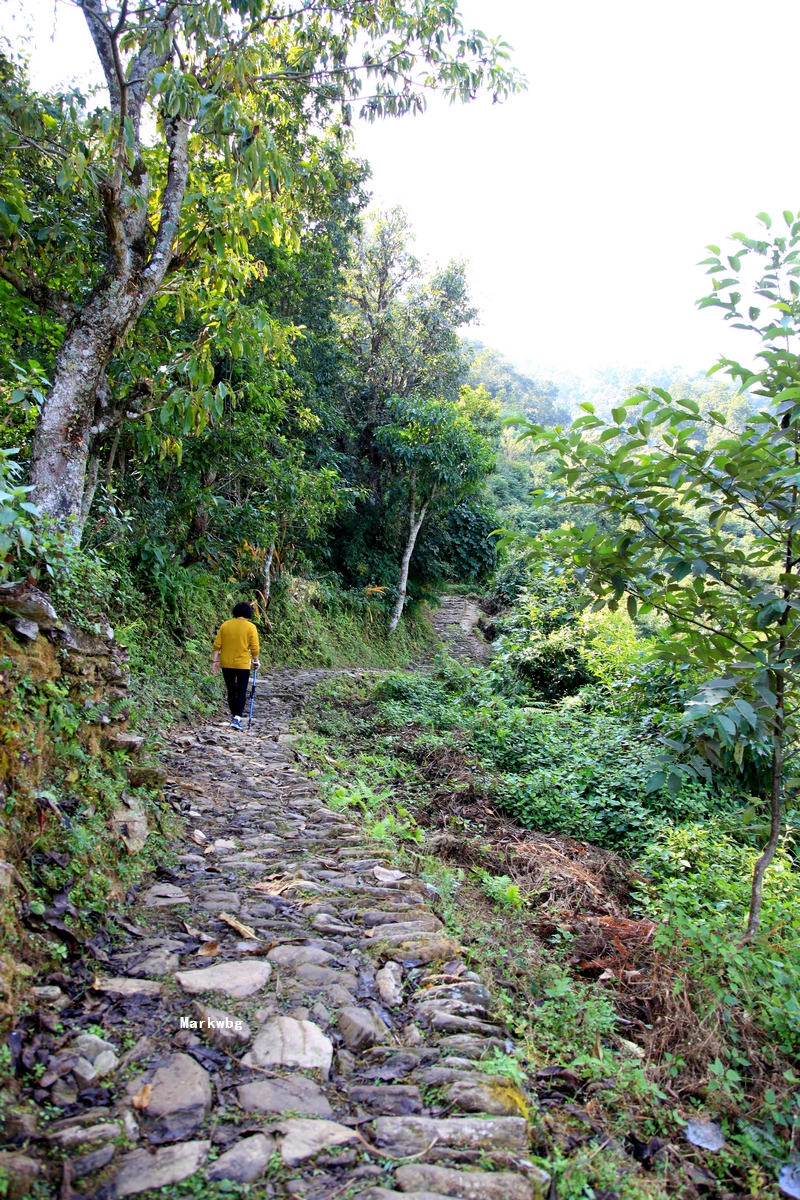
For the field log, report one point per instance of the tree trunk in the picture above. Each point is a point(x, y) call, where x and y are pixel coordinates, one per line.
point(414, 527)
point(775, 797)
point(138, 261)
point(62, 439)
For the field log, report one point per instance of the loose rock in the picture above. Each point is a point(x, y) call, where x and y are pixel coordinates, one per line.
point(358, 1028)
point(390, 984)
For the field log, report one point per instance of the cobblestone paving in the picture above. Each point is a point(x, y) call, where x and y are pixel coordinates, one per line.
point(455, 622)
point(305, 1023)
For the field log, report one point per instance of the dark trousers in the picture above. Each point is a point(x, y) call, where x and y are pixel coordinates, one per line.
point(236, 680)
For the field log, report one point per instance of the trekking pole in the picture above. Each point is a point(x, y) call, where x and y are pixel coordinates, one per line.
point(252, 696)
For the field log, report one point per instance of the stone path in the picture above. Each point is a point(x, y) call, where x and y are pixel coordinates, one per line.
point(284, 1009)
point(456, 623)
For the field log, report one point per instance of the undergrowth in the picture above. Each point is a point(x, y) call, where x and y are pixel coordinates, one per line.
point(690, 1023)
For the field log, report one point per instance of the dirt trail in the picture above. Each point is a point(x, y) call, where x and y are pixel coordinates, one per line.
point(455, 622)
point(347, 1053)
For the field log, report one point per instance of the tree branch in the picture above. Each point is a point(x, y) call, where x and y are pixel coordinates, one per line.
point(104, 45)
point(40, 294)
point(177, 131)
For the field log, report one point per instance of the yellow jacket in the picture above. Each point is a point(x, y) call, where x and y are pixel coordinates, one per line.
point(237, 642)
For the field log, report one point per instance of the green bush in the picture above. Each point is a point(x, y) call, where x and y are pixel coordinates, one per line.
point(554, 769)
point(699, 884)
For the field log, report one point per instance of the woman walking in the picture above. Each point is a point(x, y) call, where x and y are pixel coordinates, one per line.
point(235, 650)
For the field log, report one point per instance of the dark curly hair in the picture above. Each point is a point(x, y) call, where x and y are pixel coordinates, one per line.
point(243, 609)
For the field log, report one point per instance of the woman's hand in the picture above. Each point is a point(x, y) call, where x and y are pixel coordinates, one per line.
point(215, 665)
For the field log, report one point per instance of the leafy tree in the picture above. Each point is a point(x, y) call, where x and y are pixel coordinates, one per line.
point(707, 534)
point(441, 457)
point(401, 388)
point(237, 90)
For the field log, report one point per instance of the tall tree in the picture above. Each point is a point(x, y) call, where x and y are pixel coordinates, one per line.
point(440, 456)
point(229, 92)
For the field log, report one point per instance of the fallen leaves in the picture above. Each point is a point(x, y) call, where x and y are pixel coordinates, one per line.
point(277, 888)
point(385, 875)
point(209, 949)
point(606, 944)
point(142, 1097)
point(244, 930)
point(199, 837)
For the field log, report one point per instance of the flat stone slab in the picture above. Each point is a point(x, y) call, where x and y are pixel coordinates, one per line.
point(470, 1046)
point(75, 1135)
point(445, 1022)
point(380, 1193)
point(126, 986)
point(303, 1138)
point(467, 1185)
point(163, 895)
point(179, 1083)
point(397, 1100)
point(236, 979)
point(294, 956)
point(158, 961)
point(284, 1095)
point(140, 1171)
point(286, 1042)
point(404, 929)
point(436, 1076)
point(90, 1046)
point(95, 1160)
point(500, 1100)
point(424, 948)
point(428, 1009)
point(245, 1161)
point(219, 901)
point(317, 976)
point(402, 1136)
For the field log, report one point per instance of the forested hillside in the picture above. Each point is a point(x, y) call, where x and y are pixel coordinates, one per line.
point(500, 897)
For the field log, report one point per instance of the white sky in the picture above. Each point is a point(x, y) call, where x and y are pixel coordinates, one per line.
point(583, 205)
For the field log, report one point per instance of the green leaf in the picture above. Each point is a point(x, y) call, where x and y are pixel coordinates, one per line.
point(656, 782)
